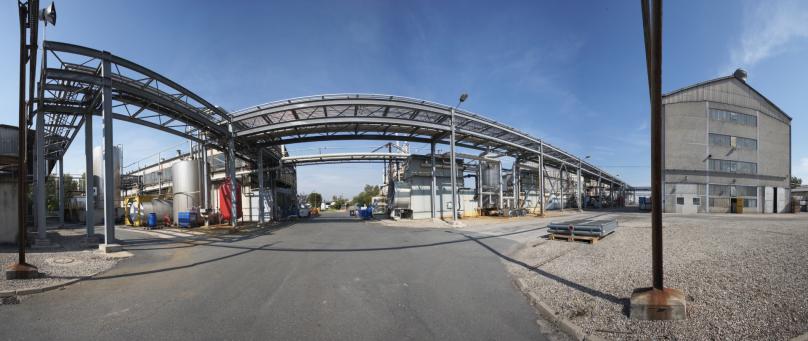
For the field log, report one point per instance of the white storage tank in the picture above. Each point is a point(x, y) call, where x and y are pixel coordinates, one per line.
point(98, 175)
point(187, 182)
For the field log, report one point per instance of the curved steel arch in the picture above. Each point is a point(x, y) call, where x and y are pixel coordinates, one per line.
point(384, 117)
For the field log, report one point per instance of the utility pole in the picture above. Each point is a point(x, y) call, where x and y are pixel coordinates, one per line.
point(657, 302)
point(29, 16)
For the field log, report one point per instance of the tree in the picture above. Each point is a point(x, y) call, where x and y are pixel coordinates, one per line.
point(338, 202)
point(314, 199)
point(365, 198)
point(795, 182)
point(52, 191)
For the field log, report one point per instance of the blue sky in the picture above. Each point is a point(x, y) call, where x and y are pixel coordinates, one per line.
point(571, 73)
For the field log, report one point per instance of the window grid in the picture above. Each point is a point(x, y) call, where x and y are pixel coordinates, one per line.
point(727, 141)
point(729, 166)
point(733, 117)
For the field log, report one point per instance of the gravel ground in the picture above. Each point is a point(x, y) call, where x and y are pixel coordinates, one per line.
point(60, 265)
point(745, 277)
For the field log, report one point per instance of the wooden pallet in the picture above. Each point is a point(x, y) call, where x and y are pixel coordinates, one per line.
point(569, 238)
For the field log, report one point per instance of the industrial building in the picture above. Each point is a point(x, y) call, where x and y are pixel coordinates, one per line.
point(726, 148)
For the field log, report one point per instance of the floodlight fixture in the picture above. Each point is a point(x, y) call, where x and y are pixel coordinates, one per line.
point(48, 14)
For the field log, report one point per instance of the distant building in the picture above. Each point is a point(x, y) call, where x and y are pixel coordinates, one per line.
point(726, 148)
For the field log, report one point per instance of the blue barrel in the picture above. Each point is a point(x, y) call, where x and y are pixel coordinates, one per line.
point(152, 220)
point(186, 219)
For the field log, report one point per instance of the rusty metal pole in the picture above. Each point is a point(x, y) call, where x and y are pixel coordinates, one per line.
point(22, 138)
point(28, 20)
point(652, 28)
point(657, 302)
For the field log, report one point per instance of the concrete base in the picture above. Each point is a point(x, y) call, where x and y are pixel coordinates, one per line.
point(22, 271)
point(654, 304)
point(109, 248)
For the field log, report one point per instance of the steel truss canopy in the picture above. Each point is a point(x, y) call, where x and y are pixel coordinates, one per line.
point(383, 117)
point(70, 88)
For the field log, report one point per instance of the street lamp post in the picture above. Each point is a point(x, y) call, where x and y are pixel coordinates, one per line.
point(453, 166)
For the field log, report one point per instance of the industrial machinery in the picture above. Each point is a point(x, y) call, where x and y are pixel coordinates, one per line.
point(138, 208)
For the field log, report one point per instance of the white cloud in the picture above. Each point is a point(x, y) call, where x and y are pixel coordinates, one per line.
point(769, 29)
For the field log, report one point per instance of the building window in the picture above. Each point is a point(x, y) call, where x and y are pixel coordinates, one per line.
point(750, 203)
point(745, 143)
point(719, 191)
point(745, 191)
point(696, 201)
point(729, 166)
point(680, 200)
point(733, 117)
point(732, 141)
point(720, 140)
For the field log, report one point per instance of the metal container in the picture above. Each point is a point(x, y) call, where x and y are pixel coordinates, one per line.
point(140, 210)
point(186, 177)
point(98, 175)
point(401, 195)
point(491, 174)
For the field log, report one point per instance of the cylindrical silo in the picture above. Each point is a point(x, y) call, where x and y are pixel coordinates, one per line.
point(186, 178)
point(98, 172)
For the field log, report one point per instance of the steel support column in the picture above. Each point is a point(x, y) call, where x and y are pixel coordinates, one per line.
point(109, 152)
point(89, 180)
point(432, 189)
point(61, 191)
point(205, 180)
point(579, 188)
point(39, 169)
point(273, 188)
point(561, 182)
point(541, 176)
point(261, 186)
point(516, 184)
point(453, 166)
point(231, 161)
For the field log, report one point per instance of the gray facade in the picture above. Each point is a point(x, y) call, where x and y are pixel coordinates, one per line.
point(725, 146)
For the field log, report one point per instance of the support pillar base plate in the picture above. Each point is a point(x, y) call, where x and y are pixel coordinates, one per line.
point(655, 304)
point(22, 271)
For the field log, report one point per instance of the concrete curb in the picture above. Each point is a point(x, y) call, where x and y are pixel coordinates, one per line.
point(548, 313)
point(22, 292)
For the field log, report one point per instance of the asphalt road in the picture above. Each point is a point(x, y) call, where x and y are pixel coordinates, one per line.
point(328, 278)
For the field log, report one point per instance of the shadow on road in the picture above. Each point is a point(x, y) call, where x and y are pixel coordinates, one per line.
point(623, 302)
